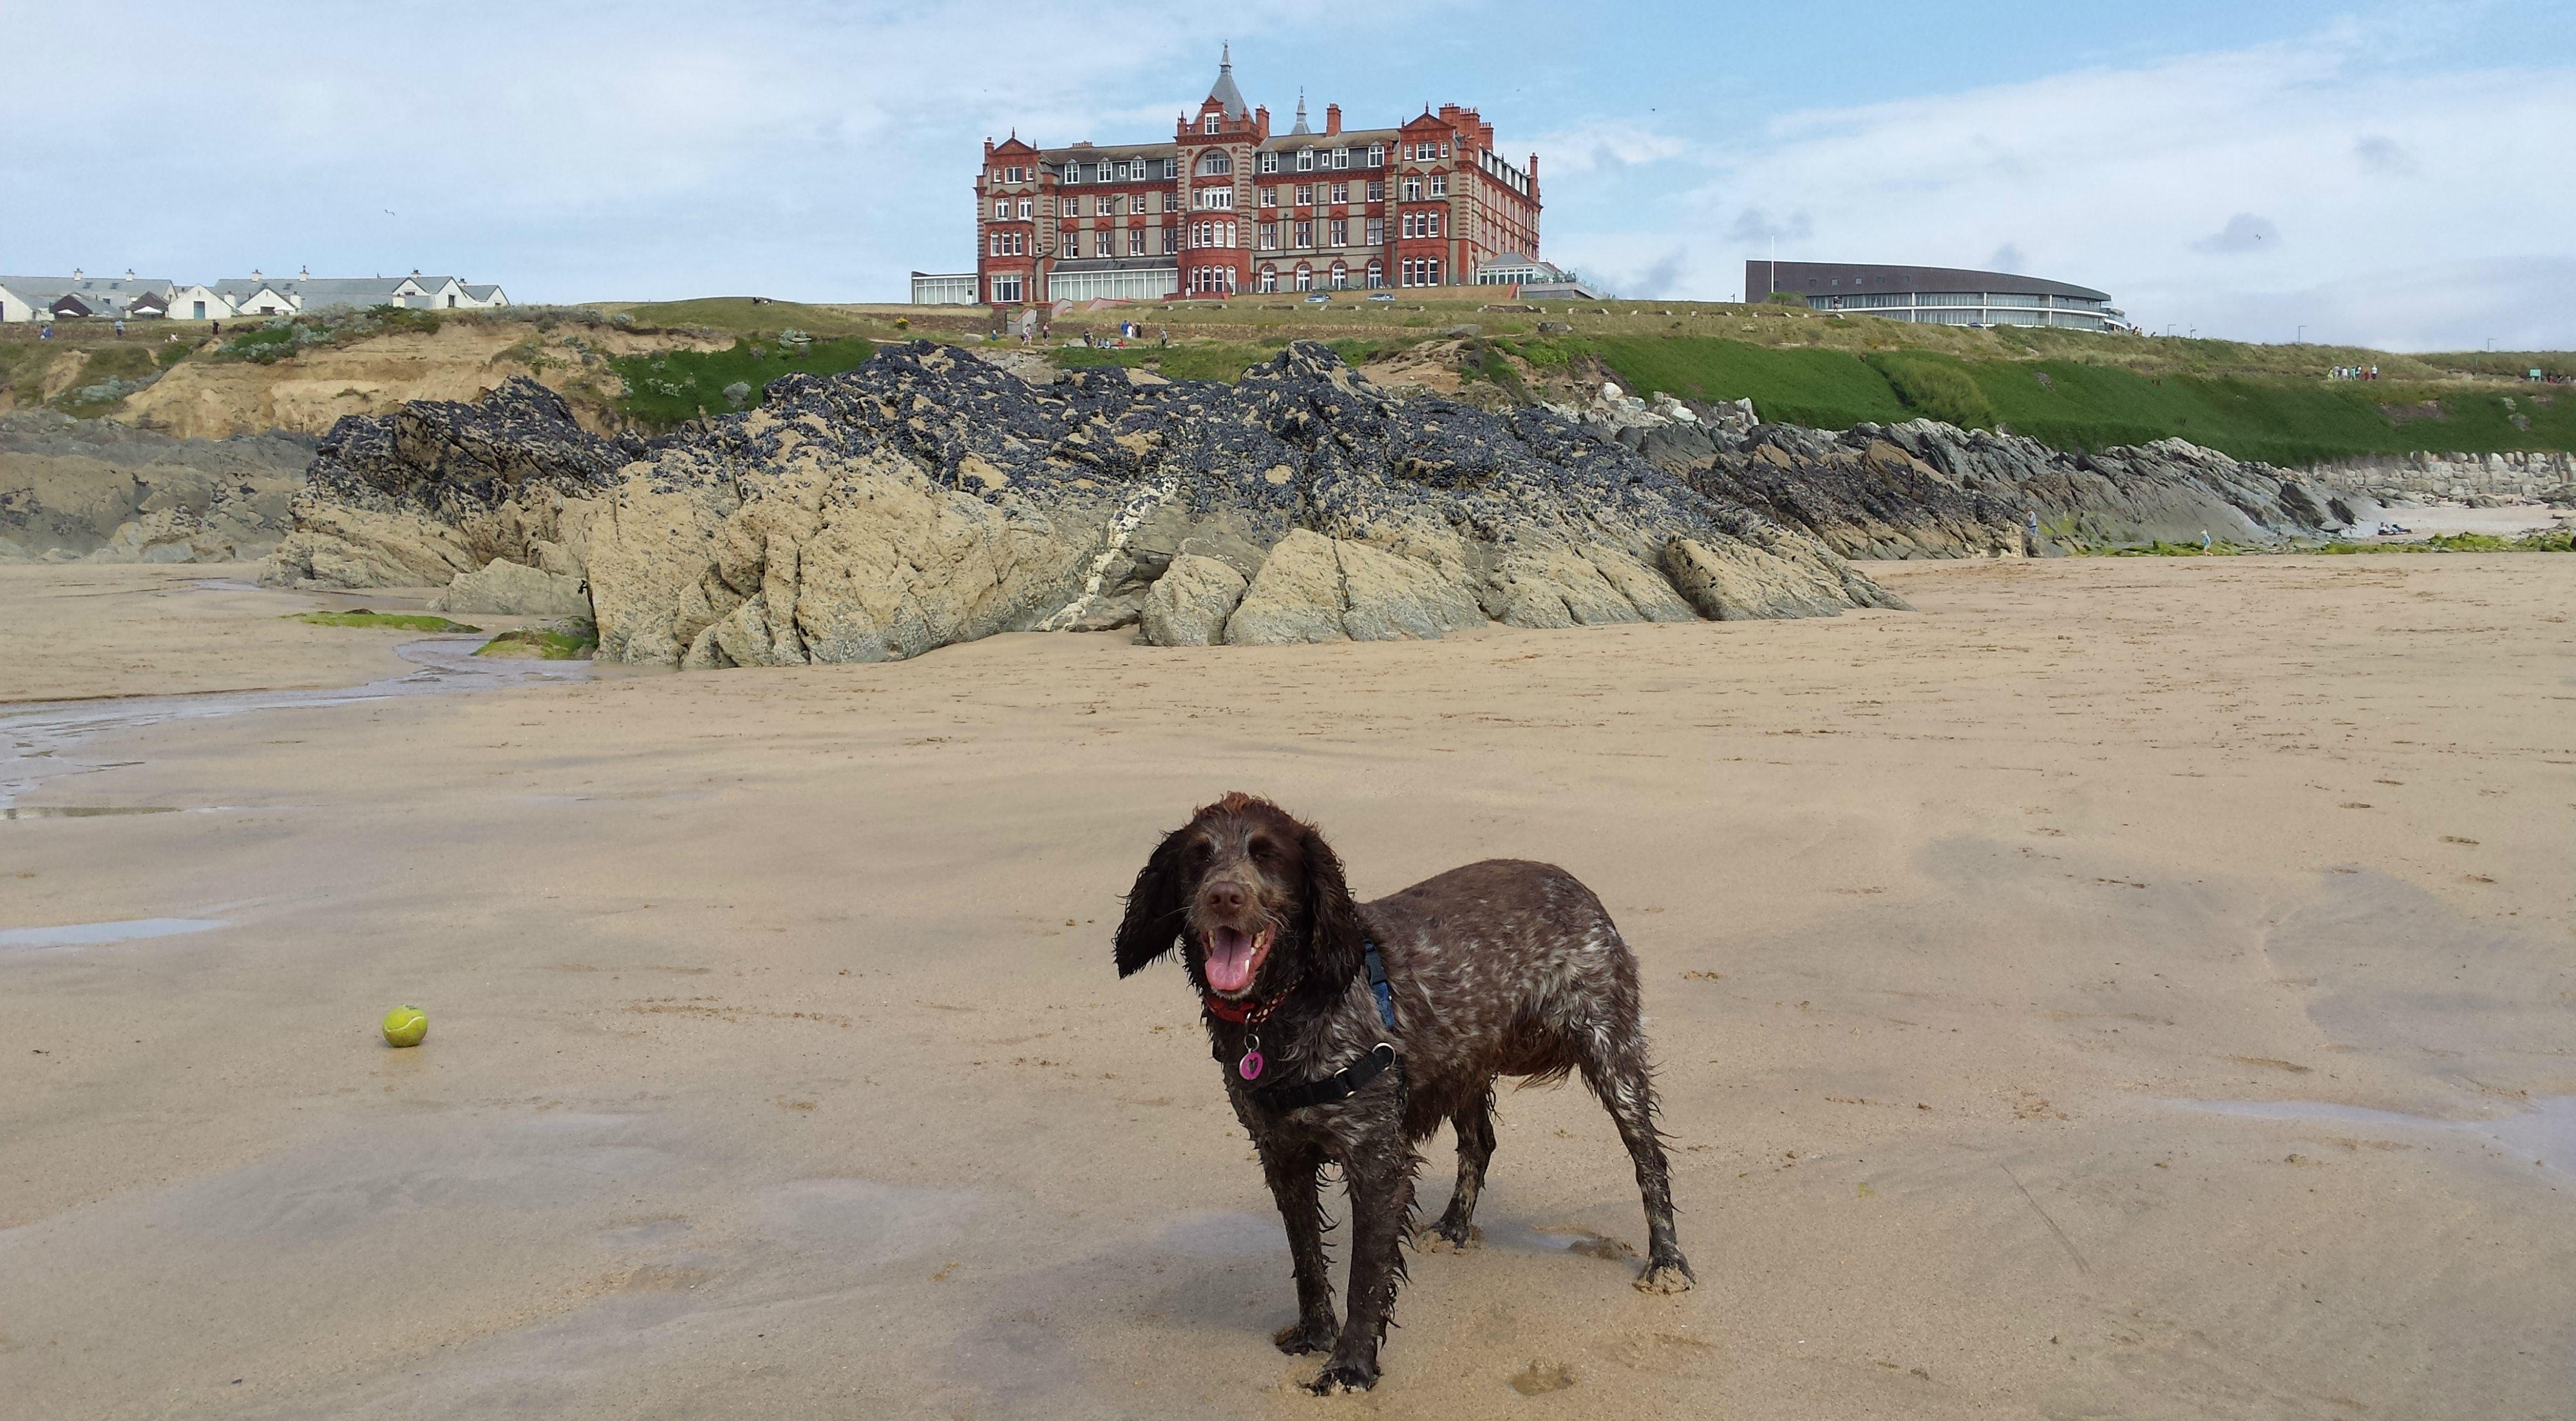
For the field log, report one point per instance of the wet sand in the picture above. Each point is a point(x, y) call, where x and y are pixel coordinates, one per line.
point(777, 1067)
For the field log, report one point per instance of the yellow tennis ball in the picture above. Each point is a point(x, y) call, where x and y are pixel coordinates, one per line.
point(404, 1026)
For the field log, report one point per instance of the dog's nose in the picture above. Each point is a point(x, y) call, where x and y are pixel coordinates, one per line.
point(1224, 897)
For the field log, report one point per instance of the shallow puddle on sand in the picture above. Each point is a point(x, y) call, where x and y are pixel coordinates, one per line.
point(86, 811)
point(34, 736)
point(2544, 1134)
point(72, 937)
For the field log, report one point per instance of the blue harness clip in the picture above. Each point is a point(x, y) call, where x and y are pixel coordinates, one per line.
point(1378, 987)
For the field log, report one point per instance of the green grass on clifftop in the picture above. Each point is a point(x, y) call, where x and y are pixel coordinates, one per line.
point(663, 390)
point(2079, 405)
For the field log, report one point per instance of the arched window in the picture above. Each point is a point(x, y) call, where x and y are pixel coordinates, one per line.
point(1269, 280)
point(1341, 276)
point(1216, 164)
point(1305, 277)
point(1376, 275)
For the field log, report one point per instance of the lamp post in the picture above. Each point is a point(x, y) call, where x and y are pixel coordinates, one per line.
point(2301, 338)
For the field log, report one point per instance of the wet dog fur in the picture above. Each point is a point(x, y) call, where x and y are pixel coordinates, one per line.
point(1500, 968)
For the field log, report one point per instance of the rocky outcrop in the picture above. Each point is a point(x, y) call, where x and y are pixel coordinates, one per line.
point(2547, 476)
point(94, 490)
point(930, 497)
point(1924, 489)
point(441, 488)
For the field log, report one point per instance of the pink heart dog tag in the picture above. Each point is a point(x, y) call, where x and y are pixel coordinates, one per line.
point(1250, 1065)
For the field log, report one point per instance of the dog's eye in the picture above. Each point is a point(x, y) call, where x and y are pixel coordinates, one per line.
point(1262, 849)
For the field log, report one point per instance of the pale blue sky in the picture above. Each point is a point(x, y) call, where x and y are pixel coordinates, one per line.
point(2404, 165)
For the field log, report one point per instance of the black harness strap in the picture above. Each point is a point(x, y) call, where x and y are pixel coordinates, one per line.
point(1350, 1079)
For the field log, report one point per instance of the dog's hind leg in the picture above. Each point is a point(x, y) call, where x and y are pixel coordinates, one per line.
point(1295, 1175)
point(1614, 1065)
point(1474, 1124)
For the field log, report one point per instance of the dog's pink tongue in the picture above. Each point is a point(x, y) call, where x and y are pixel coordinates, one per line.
point(1229, 960)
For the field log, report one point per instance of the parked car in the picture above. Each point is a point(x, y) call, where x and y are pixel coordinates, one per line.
point(1381, 296)
point(1319, 298)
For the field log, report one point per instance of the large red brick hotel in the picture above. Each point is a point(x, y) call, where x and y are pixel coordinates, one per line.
point(1226, 206)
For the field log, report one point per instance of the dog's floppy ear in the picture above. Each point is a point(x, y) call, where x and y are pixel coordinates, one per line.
point(1336, 939)
point(1154, 906)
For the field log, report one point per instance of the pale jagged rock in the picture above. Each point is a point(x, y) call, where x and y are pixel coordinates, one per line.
point(339, 545)
point(1390, 597)
point(1297, 597)
point(826, 559)
point(1725, 584)
point(511, 589)
point(1189, 604)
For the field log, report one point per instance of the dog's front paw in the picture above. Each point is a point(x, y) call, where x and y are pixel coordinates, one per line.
point(1445, 1237)
point(1666, 1273)
point(1313, 1335)
point(1342, 1381)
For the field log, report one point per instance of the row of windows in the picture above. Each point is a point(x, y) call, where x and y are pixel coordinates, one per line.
point(1110, 204)
point(1105, 244)
point(1858, 301)
point(1963, 298)
point(1928, 314)
point(1306, 278)
point(1420, 271)
point(1308, 194)
point(1308, 160)
point(1337, 233)
point(1107, 170)
point(1212, 234)
point(1217, 163)
point(1007, 244)
point(1421, 224)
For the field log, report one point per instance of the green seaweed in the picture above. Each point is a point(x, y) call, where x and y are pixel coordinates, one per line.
point(397, 621)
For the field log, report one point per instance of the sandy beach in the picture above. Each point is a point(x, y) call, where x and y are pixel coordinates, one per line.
point(2134, 987)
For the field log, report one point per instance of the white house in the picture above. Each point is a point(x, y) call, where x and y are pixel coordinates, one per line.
point(45, 298)
point(198, 303)
point(38, 298)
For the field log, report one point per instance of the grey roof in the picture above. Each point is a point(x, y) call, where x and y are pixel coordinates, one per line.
point(1223, 90)
point(482, 293)
point(1347, 138)
point(320, 291)
point(1301, 115)
point(1116, 152)
point(1837, 278)
point(37, 290)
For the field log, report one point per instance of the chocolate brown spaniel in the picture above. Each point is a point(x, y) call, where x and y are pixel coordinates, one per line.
point(1348, 1031)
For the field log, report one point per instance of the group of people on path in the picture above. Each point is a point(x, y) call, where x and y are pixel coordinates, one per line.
point(2355, 372)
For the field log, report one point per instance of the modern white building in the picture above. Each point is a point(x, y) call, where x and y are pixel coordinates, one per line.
point(1935, 295)
point(954, 288)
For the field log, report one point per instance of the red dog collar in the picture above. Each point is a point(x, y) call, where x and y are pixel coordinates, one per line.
point(1253, 1012)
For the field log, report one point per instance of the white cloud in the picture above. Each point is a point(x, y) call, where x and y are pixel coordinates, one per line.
point(2244, 232)
point(1603, 146)
point(2155, 182)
